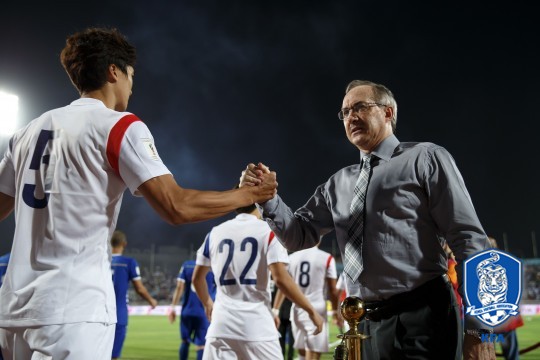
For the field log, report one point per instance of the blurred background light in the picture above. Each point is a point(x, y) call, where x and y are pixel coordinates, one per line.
point(9, 107)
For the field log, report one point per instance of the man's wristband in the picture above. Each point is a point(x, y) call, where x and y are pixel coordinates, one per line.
point(275, 312)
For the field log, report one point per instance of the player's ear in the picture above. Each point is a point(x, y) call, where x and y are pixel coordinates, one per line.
point(112, 73)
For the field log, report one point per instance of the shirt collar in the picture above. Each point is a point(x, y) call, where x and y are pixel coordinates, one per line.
point(385, 149)
point(87, 101)
point(245, 216)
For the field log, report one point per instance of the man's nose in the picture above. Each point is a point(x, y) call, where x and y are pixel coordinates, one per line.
point(353, 116)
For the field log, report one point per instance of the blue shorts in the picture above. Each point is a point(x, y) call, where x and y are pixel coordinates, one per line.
point(119, 337)
point(193, 329)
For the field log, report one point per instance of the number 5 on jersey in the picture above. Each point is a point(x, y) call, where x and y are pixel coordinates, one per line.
point(38, 158)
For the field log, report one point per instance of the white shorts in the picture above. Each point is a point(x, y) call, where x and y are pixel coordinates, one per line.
point(77, 341)
point(304, 338)
point(231, 349)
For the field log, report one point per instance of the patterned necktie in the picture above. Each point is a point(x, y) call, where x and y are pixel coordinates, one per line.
point(353, 248)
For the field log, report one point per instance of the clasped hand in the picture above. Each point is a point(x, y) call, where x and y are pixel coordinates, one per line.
point(261, 177)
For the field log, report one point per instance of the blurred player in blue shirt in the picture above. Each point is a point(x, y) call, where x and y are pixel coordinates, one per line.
point(193, 320)
point(4, 259)
point(124, 271)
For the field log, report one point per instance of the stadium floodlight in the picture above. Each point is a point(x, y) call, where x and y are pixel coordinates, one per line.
point(9, 107)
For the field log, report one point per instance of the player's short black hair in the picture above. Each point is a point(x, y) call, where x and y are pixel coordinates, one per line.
point(89, 53)
point(245, 209)
point(118, 238)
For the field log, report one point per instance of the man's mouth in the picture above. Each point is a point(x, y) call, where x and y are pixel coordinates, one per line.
point(357, 129)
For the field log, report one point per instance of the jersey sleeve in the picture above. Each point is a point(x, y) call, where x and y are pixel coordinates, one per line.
point(7, 172)
point(134, 272)
point(331, 271)
point(139, 160)
point(203, 254)
point(341, 282)
point(182, 274)
point(276, 252)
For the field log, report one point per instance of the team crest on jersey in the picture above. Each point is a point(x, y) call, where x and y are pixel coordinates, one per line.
point(492, 286)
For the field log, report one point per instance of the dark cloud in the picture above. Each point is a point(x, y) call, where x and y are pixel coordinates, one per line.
point(229, 83)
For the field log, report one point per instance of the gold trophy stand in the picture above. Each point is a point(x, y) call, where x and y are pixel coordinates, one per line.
point(353, 311)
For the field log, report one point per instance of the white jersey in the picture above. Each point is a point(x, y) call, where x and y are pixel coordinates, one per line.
point(239, 252)
point(341, 283)
point(310, 268)
point(68, 170)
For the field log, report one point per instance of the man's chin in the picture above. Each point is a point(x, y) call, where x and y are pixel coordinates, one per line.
point(359, 140)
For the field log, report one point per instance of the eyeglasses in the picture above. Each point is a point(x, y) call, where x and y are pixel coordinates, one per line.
point(359, 107)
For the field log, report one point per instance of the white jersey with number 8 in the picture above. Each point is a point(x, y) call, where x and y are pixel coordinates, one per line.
point(310, 268)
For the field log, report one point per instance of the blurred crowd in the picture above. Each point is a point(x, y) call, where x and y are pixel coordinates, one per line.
point(162, 282)
point(531, 281)
point(160, 285)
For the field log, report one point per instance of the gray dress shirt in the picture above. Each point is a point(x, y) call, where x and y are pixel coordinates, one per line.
point(415, 199)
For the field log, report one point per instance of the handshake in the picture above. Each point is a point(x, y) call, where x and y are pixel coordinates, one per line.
point(260, 182)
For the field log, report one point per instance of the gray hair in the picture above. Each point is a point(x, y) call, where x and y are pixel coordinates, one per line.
point(382, 95)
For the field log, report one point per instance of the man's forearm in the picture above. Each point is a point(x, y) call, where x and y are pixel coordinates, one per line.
point(200, 284)
point(177, 205)
point(333, 294)
point(287, 286)
point(142, 292)
point(278, 300)
point(7, 204)
point(293, 234)
point(177, 293)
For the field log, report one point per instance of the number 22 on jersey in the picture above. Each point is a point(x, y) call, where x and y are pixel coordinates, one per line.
point(228, 246)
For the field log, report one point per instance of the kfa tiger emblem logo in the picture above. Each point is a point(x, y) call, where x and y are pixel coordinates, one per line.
point(492, 286)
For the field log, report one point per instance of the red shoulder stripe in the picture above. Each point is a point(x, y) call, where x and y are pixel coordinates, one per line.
point(115, 140)
point(271, 237)
point(328, 261)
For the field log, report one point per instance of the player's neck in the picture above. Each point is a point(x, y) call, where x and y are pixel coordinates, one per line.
point(104, 94)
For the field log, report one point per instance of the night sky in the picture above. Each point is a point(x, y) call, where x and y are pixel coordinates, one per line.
point(222, 84)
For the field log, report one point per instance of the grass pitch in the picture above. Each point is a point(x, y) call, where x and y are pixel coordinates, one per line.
point(153, 338)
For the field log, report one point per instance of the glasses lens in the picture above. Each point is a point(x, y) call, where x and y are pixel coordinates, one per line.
point(360, 107)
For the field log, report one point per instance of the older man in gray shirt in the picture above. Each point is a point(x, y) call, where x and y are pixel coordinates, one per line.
point(414, 199)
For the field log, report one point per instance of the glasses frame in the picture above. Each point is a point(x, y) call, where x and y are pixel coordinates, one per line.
point(358, 107)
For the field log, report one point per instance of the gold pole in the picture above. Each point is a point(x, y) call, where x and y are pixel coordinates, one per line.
point(353, 311)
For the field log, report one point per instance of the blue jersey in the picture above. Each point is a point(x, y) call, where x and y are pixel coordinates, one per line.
point(190, 303)
point(4, 259)
point(124, 270)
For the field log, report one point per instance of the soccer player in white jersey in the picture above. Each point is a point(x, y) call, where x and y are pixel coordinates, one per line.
point(314, 270)
point(64, 174)
point(242, 253)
